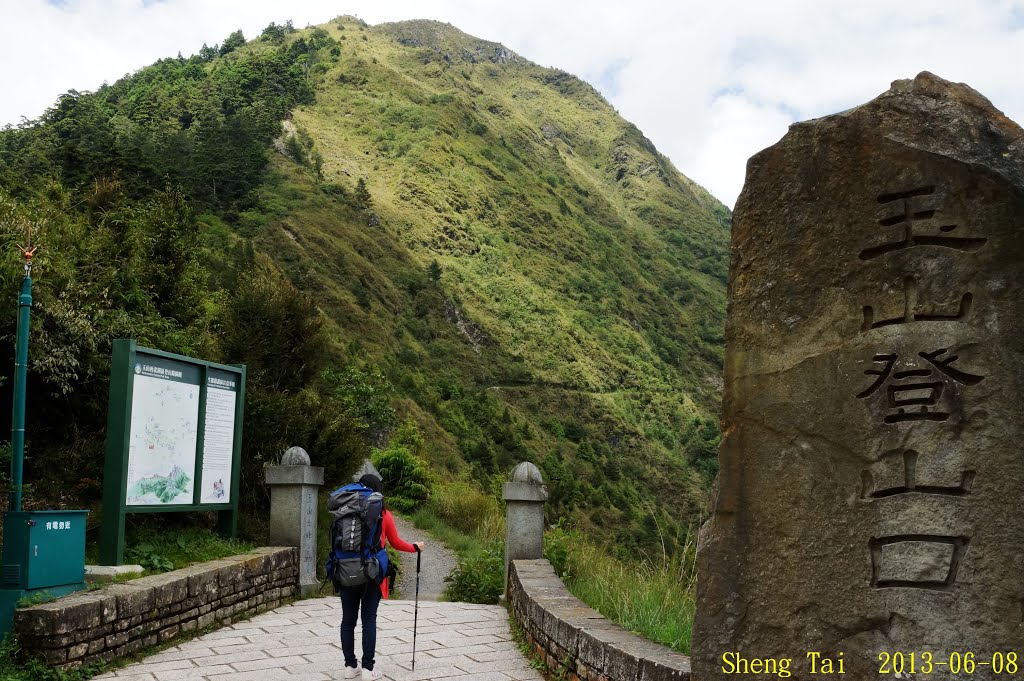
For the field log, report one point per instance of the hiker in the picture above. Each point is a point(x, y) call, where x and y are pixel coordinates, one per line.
point(366, 598)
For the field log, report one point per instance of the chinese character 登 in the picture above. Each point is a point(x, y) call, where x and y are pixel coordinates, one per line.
point(910, 395)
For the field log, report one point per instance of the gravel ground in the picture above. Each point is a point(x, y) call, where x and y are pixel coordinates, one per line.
point(437, 563)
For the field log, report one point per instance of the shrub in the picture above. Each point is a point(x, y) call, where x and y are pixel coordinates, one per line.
point(366, 394)
point(162, 545)
point(404, 475)
point(478, 578)
point(557, 543)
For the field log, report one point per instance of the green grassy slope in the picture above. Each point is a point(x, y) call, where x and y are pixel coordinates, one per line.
point(489, 246)
point(582, 281)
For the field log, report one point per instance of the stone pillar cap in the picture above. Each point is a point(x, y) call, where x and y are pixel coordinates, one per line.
point(295, 456)
point(527, 472)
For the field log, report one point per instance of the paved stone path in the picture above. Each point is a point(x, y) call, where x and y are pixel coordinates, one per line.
point(300, 642)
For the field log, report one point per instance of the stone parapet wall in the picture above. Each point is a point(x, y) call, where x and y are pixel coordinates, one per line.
point(576, 640)
point(120, 619)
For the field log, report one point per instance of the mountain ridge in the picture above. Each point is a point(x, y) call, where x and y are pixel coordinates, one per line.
point(489, 246)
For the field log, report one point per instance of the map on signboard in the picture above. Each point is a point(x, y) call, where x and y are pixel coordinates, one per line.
point(162, 443)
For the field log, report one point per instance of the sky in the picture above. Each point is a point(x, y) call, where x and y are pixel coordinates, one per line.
point(710, 83)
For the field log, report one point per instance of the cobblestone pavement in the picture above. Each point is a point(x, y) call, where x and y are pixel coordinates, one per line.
point(300, 641)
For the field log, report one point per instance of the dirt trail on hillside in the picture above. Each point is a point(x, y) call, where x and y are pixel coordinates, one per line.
point(437, 563)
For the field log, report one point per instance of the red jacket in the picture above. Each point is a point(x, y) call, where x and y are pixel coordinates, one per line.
point(389, 535)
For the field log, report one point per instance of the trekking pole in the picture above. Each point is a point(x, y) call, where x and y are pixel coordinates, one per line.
point(416, 608)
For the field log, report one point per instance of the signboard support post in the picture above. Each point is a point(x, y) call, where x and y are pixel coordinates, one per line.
point(115, 474)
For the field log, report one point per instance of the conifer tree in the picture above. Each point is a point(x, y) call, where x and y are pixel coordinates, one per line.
point(434, 271)
point(362, 197)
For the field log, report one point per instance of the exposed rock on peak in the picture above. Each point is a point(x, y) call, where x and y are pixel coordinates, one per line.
point(448, 42)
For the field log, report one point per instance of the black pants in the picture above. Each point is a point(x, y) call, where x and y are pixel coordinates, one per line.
point(356, 600)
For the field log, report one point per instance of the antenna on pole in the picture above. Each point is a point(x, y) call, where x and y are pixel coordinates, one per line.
point(28, 250)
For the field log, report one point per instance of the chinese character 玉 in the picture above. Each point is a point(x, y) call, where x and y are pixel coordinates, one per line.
point(916, 208)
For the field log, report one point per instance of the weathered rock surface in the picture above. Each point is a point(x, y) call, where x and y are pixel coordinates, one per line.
point(872, 478)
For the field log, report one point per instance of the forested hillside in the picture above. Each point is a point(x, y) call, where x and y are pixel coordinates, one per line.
point(419, 242)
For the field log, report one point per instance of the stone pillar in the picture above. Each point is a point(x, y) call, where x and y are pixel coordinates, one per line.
point(869, 500)
point(294, 487)
point(366, 468)
point(524, 514)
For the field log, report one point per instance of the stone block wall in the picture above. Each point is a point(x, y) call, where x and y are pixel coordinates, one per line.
point(576, 640)
point(121, 619)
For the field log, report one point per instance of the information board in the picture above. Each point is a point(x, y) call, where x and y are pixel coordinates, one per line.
point(174, 434)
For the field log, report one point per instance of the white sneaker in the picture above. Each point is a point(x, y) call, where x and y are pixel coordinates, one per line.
point(350, 673)
point(371, 675)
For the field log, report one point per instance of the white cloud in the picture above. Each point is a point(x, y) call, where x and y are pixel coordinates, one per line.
point(738, 129)
point(711, 83)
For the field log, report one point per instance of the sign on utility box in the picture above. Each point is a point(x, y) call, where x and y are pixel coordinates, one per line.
point(174, 440)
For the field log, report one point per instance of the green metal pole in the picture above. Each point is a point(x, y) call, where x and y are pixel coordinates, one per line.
point(20, 376)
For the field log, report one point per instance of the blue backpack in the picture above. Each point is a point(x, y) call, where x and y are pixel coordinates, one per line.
point(356, 556)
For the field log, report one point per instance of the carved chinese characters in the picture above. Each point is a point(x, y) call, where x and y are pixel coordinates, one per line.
point(918, 389)
point(870, 494)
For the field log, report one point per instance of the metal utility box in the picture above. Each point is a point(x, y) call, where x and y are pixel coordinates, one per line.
point(43, 549)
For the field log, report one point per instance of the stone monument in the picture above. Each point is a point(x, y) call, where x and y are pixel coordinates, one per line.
point(869, 500)
point(524, 499)
point(294, 488)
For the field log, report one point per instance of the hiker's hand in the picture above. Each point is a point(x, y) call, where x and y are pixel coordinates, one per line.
point(419, 545)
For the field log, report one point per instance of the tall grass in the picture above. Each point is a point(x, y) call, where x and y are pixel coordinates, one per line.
point(463, 507)
point(472, 524)
point(655, 599)
point(458, 541)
